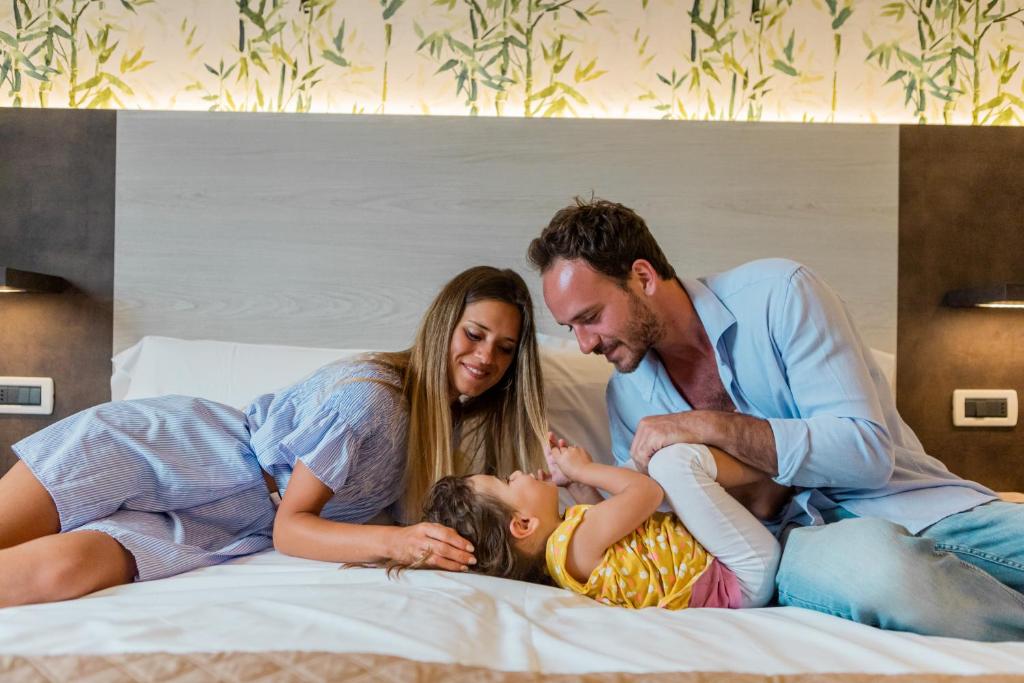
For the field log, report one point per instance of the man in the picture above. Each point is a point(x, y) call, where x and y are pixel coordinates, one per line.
point(764, 362)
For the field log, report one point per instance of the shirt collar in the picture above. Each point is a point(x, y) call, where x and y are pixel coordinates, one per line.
point(647, 372)
point(713, 314)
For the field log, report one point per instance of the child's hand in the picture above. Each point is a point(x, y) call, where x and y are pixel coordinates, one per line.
point(557, 475)
point(570, 460)
point(553, 442)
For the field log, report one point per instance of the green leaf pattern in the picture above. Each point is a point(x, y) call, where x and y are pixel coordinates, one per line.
point(926, 61)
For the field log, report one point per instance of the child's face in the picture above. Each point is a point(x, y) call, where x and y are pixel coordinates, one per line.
point(523, 493)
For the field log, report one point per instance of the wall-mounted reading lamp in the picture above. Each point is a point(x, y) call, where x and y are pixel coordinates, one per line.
point(996, 296)
point(13, 281)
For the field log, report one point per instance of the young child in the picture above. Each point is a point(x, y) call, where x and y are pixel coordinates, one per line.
point(620, 550)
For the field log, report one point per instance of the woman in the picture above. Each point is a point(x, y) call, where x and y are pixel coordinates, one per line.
point(151, 488)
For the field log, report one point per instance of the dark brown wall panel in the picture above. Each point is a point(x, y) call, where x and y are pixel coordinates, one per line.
point(961, 225)
point(57, 217)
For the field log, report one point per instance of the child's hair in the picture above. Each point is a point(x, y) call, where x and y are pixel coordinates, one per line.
point(483, 520)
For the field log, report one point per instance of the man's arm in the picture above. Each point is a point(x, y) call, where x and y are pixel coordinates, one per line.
point(748, 439)
point(840, 437)
point(763, 499)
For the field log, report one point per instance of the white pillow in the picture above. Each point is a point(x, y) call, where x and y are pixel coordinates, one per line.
point(227, 372)
point(235, 374)
point(574, 390)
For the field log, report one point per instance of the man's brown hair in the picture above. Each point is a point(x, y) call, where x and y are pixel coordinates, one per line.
point(608, 236)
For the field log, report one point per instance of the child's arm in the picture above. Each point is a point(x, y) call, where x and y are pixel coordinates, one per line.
point(753, 488)
point(584, 494)
point(634, 498)
point(732, 472)
point(299, 530)
point(581, 493)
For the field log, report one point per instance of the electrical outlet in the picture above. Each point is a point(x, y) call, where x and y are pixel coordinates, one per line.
point(985, 408)
point(26, 395)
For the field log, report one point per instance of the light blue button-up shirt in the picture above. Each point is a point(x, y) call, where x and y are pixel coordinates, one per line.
point(788, 352)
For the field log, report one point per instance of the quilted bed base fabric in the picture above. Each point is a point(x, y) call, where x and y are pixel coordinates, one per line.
point(312, 667)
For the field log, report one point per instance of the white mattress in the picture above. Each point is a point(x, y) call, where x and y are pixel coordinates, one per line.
point(273, 602)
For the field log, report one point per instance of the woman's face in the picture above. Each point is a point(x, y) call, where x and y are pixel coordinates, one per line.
point(483, 346)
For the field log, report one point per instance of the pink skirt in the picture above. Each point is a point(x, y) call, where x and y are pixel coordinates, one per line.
point(716, 587)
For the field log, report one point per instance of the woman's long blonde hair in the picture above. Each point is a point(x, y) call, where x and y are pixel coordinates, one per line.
point(501, 430)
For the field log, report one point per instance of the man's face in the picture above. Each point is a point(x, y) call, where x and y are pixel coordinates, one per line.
point(607, 319)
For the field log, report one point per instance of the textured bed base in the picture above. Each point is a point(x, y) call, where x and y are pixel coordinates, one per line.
point(363, 668)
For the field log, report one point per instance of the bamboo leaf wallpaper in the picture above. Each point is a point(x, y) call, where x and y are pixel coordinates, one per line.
point(927, 61)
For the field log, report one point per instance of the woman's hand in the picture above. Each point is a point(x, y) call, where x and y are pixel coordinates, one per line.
point(431, 545)
point(570, 460)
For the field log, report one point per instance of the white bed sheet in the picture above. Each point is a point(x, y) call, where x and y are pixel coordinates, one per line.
point(273, 602)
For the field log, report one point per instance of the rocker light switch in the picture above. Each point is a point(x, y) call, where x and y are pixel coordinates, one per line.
point(984, 408)
point(26, 395)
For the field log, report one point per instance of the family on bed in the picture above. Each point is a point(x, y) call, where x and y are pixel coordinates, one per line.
point(760, 458)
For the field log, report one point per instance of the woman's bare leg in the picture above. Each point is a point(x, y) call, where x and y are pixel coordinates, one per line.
point(27, 511)
point(62, 566)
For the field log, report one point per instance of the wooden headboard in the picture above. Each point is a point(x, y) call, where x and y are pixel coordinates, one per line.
point(336, 231)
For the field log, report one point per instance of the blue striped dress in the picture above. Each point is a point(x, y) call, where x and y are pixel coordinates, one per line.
point(178, 481)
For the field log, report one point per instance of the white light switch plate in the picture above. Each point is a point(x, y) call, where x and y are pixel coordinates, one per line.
point(960, 397)
point(44, 384)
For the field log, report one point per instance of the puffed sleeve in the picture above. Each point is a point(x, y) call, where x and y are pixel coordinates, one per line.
point(348, 428)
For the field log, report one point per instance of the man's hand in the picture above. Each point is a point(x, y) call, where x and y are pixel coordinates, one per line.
point(747, 438)
point(657, 431)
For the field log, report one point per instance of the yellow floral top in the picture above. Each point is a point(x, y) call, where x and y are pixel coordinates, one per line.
point(656, 565)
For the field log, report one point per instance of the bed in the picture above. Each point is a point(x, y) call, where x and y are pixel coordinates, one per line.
point(272, 617)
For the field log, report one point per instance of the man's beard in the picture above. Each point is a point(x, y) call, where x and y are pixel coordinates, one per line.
point(643, 331)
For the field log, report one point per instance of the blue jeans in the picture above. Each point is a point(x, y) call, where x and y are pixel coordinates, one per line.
point(962, 577)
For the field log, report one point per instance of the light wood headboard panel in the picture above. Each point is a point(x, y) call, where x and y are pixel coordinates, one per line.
point(326, 230)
